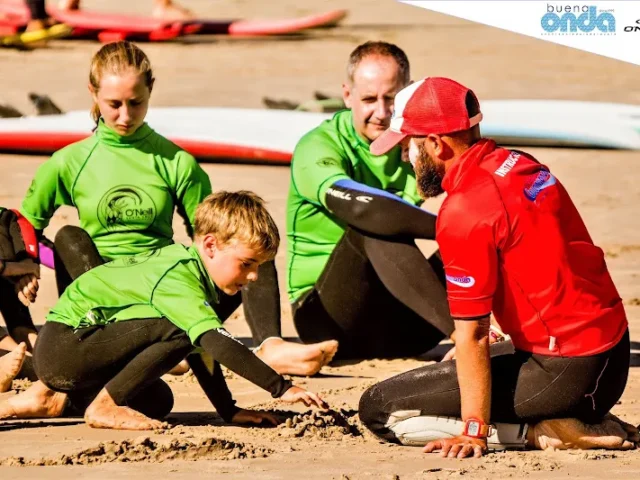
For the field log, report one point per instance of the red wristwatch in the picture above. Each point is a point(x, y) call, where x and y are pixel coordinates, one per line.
point(476, 428)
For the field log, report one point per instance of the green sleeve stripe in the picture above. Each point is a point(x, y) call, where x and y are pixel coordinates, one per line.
point(203, 327)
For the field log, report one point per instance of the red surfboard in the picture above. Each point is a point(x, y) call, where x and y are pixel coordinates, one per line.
point(106, 27)
point(270, 26)
point(110, 27)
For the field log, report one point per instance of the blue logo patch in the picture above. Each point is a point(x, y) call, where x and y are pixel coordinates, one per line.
point(543, 180)
point(463, 281)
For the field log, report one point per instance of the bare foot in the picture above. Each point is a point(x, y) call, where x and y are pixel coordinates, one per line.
point(38, 401)
point(171, 12)
point(295, 358)
point(104, 413)
point(179, 369)
point(69, 4)
point(570, 433)
point(10, 366)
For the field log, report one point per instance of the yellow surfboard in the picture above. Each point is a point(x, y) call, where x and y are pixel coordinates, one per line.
point(25, 39)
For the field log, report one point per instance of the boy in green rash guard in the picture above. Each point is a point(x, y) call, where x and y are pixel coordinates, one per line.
point(354, 273)
point(119, 327)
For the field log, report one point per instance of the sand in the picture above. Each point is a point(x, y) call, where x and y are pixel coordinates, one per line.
point(226, 72)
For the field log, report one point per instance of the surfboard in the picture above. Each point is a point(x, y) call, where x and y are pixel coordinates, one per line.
point(270, 26)
point(109, 27)
point(270, 135)
point(106, 27)
point(25, 39)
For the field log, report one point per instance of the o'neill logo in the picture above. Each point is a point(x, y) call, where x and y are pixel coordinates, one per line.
point(633, 28)
point(577, 20)
point(462, 280)
point(126, 207)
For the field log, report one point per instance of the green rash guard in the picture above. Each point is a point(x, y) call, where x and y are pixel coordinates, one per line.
point(331, 152)
point(124, 188)
point(169, 282)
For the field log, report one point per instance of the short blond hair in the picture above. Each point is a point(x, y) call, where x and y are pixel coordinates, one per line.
point(238, 216)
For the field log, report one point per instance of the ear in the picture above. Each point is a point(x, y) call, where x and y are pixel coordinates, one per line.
point(436, 144)
point(346, 95)
point(153, 81)
point(209, 245)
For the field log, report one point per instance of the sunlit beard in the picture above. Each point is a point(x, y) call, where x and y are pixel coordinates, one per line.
point(429, 174)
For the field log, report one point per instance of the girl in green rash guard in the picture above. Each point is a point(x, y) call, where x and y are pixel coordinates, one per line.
point(126, 180)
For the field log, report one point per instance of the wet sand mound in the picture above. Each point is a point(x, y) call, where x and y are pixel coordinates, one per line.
point(330, 424)
point(143, 449)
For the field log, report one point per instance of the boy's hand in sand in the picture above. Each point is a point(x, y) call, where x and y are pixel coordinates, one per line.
point(297, 394)
point(27, 289)
point(255, 417)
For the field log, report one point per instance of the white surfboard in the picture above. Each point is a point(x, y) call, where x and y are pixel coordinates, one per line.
point(271, 135)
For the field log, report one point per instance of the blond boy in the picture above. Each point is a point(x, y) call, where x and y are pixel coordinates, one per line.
point(119, 327)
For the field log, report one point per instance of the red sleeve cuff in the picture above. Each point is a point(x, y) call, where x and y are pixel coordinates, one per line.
point(467, 308)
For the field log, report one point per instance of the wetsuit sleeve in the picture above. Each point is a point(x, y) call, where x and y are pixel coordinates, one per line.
point(193, 185)
point(214, 386)
point(469, 243)
point(317, 163)
point(179, 297)
point(48, 191)
point(229, 352)
point(378, 212)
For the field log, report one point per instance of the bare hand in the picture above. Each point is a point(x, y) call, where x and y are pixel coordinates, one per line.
point(254, 417)
point(27, 289)
point(297, 394)
point(458, 447)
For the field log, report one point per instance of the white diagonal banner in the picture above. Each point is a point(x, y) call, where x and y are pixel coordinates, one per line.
point(608, 28)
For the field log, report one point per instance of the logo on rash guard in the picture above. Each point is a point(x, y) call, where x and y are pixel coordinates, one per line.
point(542, 180)
point(126, 207)
point(463, 281)
point(132, 260)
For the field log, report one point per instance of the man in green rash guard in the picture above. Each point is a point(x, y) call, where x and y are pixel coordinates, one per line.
point(354, 273)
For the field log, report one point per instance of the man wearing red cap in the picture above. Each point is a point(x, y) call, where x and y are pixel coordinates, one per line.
point(513, 244)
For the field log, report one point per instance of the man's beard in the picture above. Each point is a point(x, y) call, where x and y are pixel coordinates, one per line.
point(429, 174)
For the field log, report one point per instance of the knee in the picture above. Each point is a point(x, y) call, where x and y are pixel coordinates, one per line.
point(371, 413)
point(155, 401)
point(70, 235)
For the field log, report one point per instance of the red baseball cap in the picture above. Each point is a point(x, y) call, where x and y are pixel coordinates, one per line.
point(432, 105)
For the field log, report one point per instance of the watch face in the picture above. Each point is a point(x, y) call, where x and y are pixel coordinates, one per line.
point(473, 429)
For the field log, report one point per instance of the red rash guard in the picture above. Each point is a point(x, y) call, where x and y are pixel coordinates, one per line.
point(513, 243)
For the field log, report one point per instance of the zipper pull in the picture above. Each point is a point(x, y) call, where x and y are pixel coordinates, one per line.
point(552, 344)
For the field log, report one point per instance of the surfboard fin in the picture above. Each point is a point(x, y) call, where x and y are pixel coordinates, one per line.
point(44, 105)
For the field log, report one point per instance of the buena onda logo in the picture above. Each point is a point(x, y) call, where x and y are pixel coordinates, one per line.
point(565, 19)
